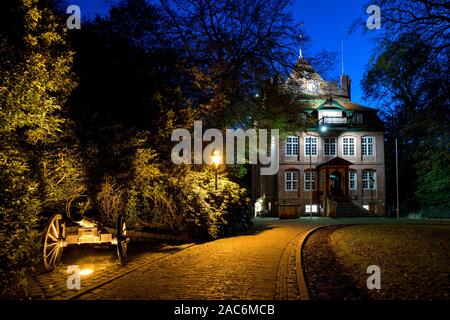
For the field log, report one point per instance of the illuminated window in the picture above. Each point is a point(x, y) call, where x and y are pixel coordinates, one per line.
point(292, 146)
point(348, 146)
point(352, 180)
point(308, 208)
point(369, 179)
point(329, 146)
point(310, 183)
point(291, 180)
point(311, 145)
point(367, 145)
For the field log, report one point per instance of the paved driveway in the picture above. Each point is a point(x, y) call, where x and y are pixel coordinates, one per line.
point(260, 264)
point(241, 267)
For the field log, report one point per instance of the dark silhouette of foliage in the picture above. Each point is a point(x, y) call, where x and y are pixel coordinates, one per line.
point(409, 77)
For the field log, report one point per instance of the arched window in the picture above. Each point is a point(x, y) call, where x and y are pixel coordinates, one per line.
point(368, 145)
point(291, 146)
point(329, 147)
point(369, 179)
point(311, 146)
point(348, 146)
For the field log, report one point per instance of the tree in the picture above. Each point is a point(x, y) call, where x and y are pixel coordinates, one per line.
point(35, 68)
point(409, 77)
point(234, 48)
point(134, 90)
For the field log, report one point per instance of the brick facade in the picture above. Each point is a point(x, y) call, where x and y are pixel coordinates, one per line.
point(338, 119)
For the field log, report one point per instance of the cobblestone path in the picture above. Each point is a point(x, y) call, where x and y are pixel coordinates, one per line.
point(257, 265)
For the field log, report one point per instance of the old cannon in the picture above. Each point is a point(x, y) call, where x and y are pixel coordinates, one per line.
point(87, 231)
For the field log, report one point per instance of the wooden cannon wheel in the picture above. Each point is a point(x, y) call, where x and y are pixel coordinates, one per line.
point(53, 240)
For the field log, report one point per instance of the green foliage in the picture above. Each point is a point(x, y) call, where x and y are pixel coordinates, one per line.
point(61, 175)
point(181, 200)
point(434, 182)
point(430, 212)
point(147, 195)
point(205, 212)
point(410, 80)
point(36, 80)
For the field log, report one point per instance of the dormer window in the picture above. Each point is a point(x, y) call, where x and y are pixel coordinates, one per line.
point(358, 118)
point(303, 117)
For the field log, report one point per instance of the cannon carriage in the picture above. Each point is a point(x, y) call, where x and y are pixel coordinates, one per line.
point(87, 230)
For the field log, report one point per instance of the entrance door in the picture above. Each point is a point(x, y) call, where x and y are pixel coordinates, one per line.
point(335, 184)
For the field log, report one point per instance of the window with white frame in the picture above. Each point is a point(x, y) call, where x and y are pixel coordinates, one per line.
point(311, 146)
point(291, 180)
point(367, 146)
point(292, 146)
point(352, 180)
point(329, 146)
point(348, 146)
point(308, 208)
point(369, 179)
point(310, 183)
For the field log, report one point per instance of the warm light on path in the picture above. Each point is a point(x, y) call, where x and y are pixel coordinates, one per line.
point(86, 272)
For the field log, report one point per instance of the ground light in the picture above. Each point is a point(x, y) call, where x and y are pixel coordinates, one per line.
point(86, 272)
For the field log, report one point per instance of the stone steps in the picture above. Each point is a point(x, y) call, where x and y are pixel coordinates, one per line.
point(350, 209)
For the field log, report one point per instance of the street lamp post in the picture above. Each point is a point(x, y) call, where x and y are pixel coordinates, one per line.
point(396, 178)
point(310, 178)
point(216, 159)
point(371, 182)
point(322, 128)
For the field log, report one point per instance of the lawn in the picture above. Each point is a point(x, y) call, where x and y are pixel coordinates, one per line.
point(414, 262)
point(414, 259)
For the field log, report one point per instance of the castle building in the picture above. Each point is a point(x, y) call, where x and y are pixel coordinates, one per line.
point(335, 165)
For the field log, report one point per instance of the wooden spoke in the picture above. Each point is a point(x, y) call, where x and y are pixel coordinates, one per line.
point(55, 232)
point(53, 236)
point(121, 240)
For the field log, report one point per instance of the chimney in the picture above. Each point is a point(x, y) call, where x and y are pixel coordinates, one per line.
point(345, 86)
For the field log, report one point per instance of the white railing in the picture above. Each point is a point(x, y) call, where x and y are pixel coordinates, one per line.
point(333, 120)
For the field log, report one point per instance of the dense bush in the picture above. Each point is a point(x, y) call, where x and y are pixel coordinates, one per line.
point(184, 201)
point(438, 212)
point(206, 212)
point(18, 218)
point(36, 79)
point(146, 193)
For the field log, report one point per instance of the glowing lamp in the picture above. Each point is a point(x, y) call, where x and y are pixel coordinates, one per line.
point(216, 158)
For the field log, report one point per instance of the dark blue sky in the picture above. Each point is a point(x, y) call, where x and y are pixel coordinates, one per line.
point(325, 21)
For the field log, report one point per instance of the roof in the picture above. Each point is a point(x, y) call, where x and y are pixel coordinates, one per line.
point(315, 104)
point(348, 105)
point(337, 161)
